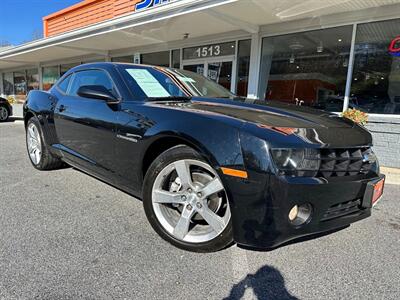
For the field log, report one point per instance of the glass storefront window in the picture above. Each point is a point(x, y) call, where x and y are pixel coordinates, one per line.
point(123, 59)
point(20, 85)
point(176, 59)
point(243, 65)
point(32, 78)
point(50, 76)
point(156, 59)
point(307, 68)
point(8, 83)
point(375, 84)
point(64, 68)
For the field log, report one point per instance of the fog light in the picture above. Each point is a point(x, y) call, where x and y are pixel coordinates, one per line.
point(293, 213)
point(300, 214)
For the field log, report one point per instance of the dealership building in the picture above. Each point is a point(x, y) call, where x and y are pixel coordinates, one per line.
point(329, 55)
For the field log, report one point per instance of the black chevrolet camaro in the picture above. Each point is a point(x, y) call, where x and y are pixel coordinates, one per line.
point(210, 167)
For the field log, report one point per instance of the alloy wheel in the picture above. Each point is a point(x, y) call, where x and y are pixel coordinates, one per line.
point(34, 144)
point(190, 201)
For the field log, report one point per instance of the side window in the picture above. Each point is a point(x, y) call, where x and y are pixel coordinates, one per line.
point(63, 85)
point(91, 77)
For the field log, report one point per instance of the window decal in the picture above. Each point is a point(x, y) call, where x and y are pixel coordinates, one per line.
point(148, 83)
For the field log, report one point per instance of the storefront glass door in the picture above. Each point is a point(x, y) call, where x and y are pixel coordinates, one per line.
point(196, 68)
point(218, 70)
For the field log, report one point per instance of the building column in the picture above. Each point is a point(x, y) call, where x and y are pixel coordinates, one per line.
point(107, 58)
point(254, 69)
point(350, 69)
point(1, 84)
point(40, 72)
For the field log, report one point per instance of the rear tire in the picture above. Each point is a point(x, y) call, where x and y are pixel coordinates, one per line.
point(186, 203)
point(38, 152)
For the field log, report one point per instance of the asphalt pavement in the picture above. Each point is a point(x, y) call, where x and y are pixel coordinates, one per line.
point(66, 235)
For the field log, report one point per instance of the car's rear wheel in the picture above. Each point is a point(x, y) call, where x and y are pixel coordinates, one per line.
point(4, 113)
point(39, 155)
point(186, 203)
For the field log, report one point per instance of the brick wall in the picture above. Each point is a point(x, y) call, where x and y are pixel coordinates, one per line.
point(386, 137)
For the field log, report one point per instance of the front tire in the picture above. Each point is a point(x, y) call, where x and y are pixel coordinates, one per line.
point(186, 203)
point(38, 152)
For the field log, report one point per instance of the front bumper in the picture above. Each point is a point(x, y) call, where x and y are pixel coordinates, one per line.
point(260, 207)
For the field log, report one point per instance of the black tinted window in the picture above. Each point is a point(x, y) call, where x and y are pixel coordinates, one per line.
point(91, 77)
point(63, 85)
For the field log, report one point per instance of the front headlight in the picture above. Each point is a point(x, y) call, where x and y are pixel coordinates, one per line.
point(297, 162)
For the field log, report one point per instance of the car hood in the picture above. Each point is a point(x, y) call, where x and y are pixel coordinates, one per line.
point(290, 124)
point(266, 113)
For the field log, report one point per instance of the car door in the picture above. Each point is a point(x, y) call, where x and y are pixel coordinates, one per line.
point(86, 127)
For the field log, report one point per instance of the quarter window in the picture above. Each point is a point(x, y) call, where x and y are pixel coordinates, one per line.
point(63, 85)
point(91, 77)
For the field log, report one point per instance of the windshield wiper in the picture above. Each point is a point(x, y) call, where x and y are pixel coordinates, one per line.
point(170, 98)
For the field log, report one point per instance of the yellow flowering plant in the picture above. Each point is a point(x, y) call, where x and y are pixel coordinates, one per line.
point(355, 115)
point(11, 99)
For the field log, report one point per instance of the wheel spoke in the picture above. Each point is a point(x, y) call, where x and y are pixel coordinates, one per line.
point(214, 186)
point(161, 196)
point(215, 221)
point(33, 143)
point(182, 168)
point(30, 145)
point(182, 227)
point(32, 133)
point(37, 155)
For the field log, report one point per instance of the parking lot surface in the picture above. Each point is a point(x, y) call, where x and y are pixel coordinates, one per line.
point(66, 235)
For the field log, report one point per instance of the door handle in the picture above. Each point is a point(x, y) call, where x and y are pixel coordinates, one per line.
point(62, 108)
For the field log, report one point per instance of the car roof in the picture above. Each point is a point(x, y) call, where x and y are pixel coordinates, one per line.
point(106, 65)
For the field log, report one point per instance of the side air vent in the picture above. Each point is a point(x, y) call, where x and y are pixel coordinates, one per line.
point(342, 209)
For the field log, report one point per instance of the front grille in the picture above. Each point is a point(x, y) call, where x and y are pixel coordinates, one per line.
point(341, 209)
point(344, 162)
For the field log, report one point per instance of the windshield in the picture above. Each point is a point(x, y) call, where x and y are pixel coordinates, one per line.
point(158, 83)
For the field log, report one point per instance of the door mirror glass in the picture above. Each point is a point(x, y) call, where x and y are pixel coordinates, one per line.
point(96, 92)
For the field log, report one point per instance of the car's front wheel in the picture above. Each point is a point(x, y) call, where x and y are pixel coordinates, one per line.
point(186, 203)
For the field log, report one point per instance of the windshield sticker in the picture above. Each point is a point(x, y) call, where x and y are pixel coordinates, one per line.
point(148, 83)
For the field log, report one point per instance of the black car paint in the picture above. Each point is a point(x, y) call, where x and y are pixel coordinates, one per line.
point(112, 142)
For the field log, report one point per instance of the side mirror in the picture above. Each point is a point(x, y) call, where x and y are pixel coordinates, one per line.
point(96, 92)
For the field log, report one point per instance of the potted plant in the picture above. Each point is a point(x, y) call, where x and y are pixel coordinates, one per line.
point(356, 116)
point(11, 99)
